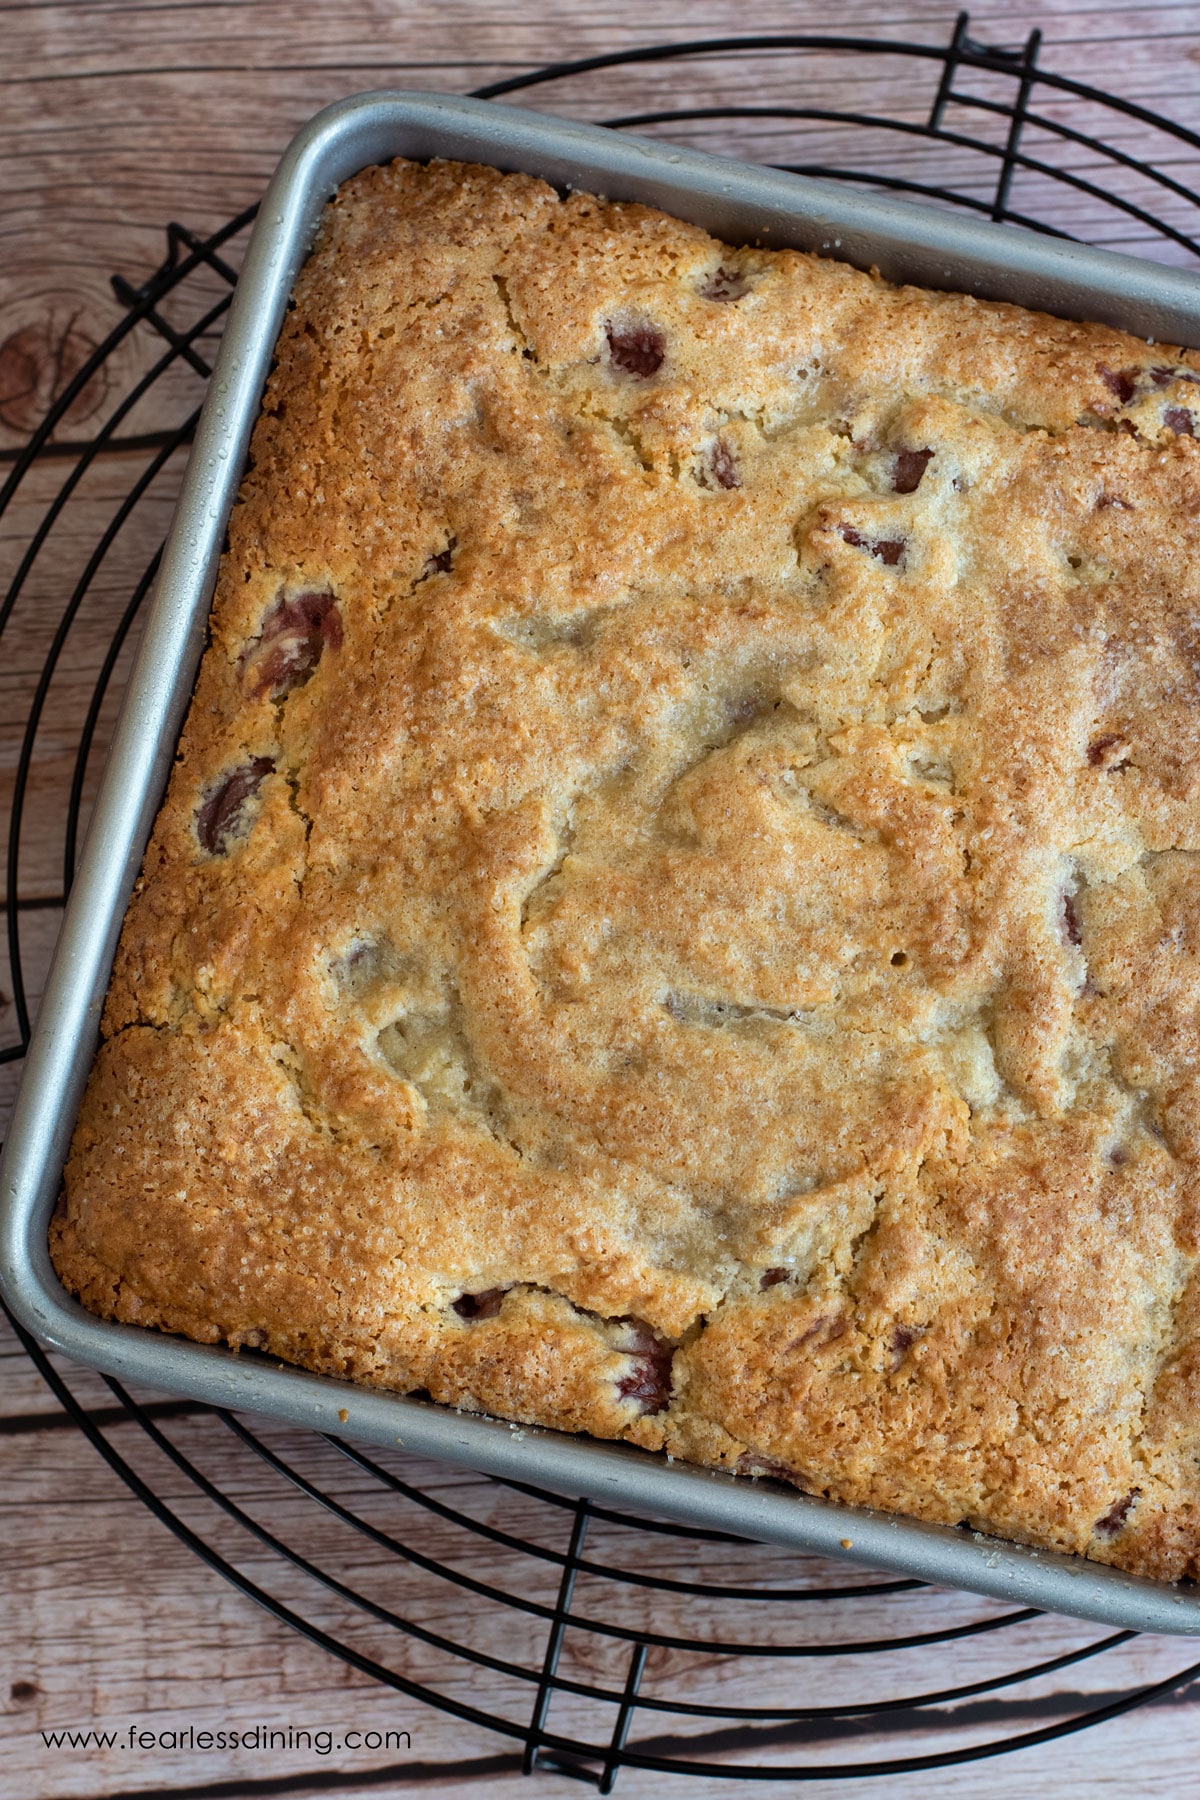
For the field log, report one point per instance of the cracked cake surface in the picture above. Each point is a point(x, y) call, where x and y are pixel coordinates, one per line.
point(677, 911)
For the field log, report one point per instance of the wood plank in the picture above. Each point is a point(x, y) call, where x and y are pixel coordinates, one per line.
point(77, 540)
point(97, 1628)
point(108, 131)
point(38, 934)
point(103, 1645)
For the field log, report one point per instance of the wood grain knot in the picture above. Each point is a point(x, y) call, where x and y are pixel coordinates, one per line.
point(38, 361)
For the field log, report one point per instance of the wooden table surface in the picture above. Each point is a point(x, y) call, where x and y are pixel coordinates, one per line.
point(116, 118)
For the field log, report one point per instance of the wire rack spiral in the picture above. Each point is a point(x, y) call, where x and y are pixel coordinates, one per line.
point(597, 1641)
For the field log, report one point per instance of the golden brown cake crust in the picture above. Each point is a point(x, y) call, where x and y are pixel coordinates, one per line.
point(677, 914)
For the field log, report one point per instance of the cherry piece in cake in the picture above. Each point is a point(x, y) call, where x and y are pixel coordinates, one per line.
point(888, 550)
point(636, 349)
point(1117, 1515)
point(648, 1380)
point(722, 470)
point(903, 1339)
point(484, 1305)
point(220, 817)
point(725, 284)
point(909, 468)
point(1068, 920)
point(1121, 382)
point(295, 635)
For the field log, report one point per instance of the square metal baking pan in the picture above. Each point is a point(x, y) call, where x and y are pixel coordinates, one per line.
point(740, 204)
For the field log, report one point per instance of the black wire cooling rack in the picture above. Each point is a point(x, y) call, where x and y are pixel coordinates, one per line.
point(588, 1639)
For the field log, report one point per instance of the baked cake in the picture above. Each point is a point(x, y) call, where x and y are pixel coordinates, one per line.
point(677, 912)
